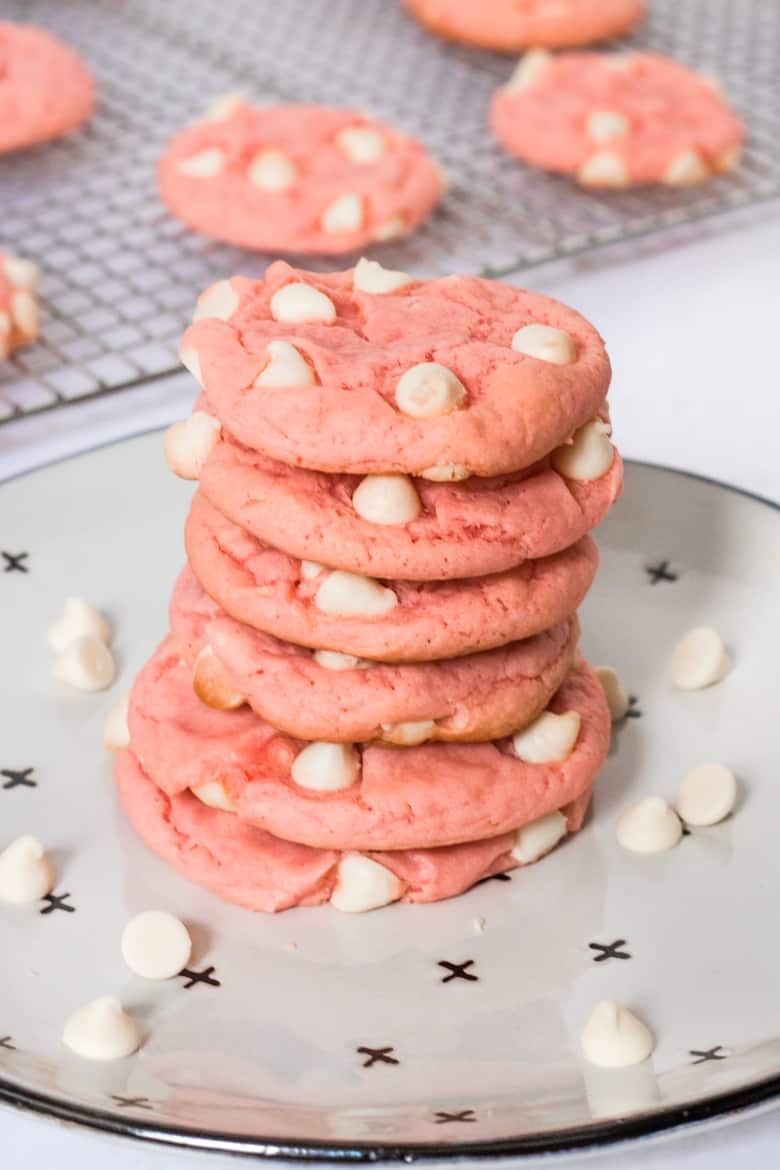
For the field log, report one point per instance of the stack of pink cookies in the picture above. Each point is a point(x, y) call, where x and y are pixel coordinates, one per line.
point(371, 689)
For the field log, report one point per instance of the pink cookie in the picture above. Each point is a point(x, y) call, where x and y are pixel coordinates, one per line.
point(409, 621)
point(464, 529)
point(18, 302)
point(512, 25)
point(243, 864)
point(482, 696)
point(45, 88)
point(617, 120)
point(438, 378)
point(298, 178)
point(416, 797)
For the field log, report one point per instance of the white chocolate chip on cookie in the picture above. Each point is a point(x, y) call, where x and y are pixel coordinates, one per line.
point(299, 303)
point(428, 390)
point(286, 367)
point(188, 444)
point(602, 125)
point(545, 343)
point(203, 165)
point(604, 169)
point(272, 170)
point(188, 356)
point(26, 874)
point(361, 144)
point(549, 739)
point(387, 499)
point(78, 617)
point(446, 473)
point(21, 273)
point(335, 660)
point(156, 945)
point(371, 277)
point(213, 793)
point(24, 310)
point(85, 664)
point(219, 300)
point(617, 699)
point(408, 734)
point(614, 1037)
point(311, 569)
point(344, 214)
point(699, 660)
point(364, 884)
point(589, 455)
point(707, 795)
point(649, 826)
point(538, 837)
point(393, 229)
point(212, 683)
point(528, 70)
point(101, 1030)
point(685, 169)
point(116, 733)
point(224, 106)
point(353, 595)
point(326, 767)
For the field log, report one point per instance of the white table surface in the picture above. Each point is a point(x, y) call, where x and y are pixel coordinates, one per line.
point(692, 322)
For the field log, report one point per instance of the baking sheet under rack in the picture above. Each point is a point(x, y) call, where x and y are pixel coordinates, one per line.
point(120, 275)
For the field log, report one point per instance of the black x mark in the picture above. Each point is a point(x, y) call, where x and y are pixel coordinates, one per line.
point(13, 562)
point(458, 971)
point(18, 777)
point(464, 1115)
point(5, 1042)
point(131, 1102)
point(57, 902)
point(715, 1053)
point(194, 977)
point(633, 711)
point(609, 950)
point(660, 572)
point(494, 877)
point(377, 1056)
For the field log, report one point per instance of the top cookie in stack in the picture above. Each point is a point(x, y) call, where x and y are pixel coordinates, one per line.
point(387, 549)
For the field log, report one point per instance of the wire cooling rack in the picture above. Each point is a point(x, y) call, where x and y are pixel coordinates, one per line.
point(120, 275)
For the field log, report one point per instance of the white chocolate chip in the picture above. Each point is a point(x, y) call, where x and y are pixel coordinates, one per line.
point(549, 739)
point(387, 499)
point(590, 453)
point(699, 660)
point(188, 444)
point(446, 473)
point(528, 70)
point(408, 734)
point(538, 837)
point(602, 125)
point(85, 664)
point(24, 310)
point(326, 767)
point(364, 884)
point(649, 826)
point(191, 361)
point(156, 945)
point(620, 62)
point(297, 303)
point(334, 660)
point(286, 367)
point(392, 229)
point(713, 82)
point(26, 874)
point(203, 165)
point(272, 170)
point(371, 277)
point(213, 793)
point(604, 169)
point(478, 924)
point(224, 106)
point(353, 595)
point(101, 1030)
point(617, 699)
point(78, 617)
point(344, 214)
point(727, 160)
point(707, 795)
point(311, 569)
point(219, 300)
point(428, 390)
point(21, 273)
point(361, 144)
point(116, 733)
point(685, 169)
point(212, 683)
point(545, 343)
point(614, 1037)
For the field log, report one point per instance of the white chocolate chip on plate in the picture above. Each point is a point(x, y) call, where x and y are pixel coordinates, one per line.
point(408, 734)
point(685, 169)
point(102, 1030)
point(212, 683)
point(344, 214)
point(429, 389)
point(614, 1037)
point(371, 277)
point(272, 170)
point(545, 343)
point(446, 473)
point(648, 826)
point(219, 300)
point(26, 874)
point(361, 144)
point(589, 455)
point(335, 660)
point(353, 595)
point(213, 793)
point(707, 795)
point(364, 884)
point(188, 444)
point(299, 303)
point(326, 767)
point(602, 125)
point(528, 70)
point(617, 699)
point(78, 617)
point(387, 499)
point(286, 367)
point(699, 660)
point(203, 165)
point(604, 169)
point(116, 733)
point(549, 739)
point(156, 945)
point(538, 837)
point(85, 664)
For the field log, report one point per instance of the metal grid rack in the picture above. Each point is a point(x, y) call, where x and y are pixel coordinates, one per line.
point(120, 275)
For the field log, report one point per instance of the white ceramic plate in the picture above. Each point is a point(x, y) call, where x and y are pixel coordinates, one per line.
point(402, 1033)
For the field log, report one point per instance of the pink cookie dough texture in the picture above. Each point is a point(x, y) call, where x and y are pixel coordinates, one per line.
point(45, 88)
point(419, 797)
point(267, 590)
point(516, 410)
point(246, 865)
point(466, 529)
point(512, 25)
point(481, 696)
point(619, 120)
point(393, 192)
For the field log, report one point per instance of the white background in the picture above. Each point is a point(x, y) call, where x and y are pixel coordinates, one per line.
point(692, 322)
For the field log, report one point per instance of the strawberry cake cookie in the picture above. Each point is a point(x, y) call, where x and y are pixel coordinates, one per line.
point(45, 88)
point(18, 303)
point(509, 26)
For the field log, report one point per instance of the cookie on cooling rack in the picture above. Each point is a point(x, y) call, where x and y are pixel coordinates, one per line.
point(617, 120)
point(510, 26)
point(45, 88)
point(298, 178)
point(18, 303)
